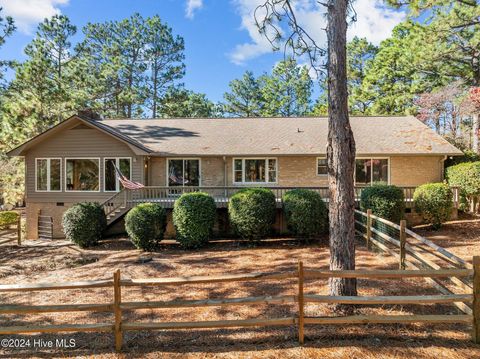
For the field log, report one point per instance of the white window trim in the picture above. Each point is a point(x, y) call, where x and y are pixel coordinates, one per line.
point(370, 158)
point(316, 167)
point(117, 163)
point(266, 172)
point(82, 158)
point(48, 174)
point(183, 159)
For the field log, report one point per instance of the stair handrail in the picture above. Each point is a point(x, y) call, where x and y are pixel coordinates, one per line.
point(109, 204)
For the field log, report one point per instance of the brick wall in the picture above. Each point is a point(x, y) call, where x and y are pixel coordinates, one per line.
point(416, 170)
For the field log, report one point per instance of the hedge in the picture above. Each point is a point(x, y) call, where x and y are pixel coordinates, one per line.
point(252, 212)
point(145, 225)
point(83, 223)
point(434, 202)
point(193, 217)
point(8, 217)
point(466, 176)
point(385, 201)
point(305, 212)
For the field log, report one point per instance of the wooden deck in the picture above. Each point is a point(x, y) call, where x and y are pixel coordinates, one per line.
point(121, 202)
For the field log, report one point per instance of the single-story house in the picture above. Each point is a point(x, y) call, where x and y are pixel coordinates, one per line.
point(73, 161)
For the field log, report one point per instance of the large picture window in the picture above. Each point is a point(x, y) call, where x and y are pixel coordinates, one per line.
point(82, 174)
point(48, 174)
point(369, 170)
point(111, 182)
point(255, 170)
point(183, 172)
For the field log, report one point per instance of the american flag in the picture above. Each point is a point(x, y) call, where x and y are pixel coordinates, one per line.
point(126, 183)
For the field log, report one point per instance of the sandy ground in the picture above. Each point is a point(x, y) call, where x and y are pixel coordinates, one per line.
point(35, 263)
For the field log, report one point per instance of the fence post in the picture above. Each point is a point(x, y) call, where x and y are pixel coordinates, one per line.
point(403, 239)
point(300, 304)
point(19, 230)
point(117, 299)
point(369, 227)
point(476, 299)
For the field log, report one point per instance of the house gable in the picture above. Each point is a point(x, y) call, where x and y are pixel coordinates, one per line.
point(76, 123)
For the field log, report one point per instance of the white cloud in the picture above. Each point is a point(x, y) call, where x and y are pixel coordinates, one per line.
point(191, 7)
point(374, 21)
point(28, 13)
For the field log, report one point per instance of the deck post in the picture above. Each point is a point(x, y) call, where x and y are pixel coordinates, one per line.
point(301, 320)
point(19, 230)
point(403, 240)
point(117, 299)
point(476, 299)
point(369, 227)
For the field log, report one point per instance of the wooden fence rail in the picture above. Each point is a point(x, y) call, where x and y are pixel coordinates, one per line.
point(299, 277)
point(411, 250)
point(5, 230)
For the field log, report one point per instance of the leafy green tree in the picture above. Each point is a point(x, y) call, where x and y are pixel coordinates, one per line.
point(164, 57)
point(40, 95)
point(392, 79)
point(131, 64)
point(360, 54)
point(7, 28)
point(245, 97)
point(287, 90)
point(182, 103)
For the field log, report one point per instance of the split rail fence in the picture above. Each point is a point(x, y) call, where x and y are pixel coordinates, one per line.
point(6, 230)
point(413, 251)
point(297, 278)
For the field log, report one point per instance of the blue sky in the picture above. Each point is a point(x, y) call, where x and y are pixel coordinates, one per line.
point(221, 41)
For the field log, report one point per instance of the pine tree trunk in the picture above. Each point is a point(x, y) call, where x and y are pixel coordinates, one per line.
point(475, 127)
point(340, 154)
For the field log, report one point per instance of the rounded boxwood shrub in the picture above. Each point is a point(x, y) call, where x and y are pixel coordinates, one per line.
point(434, 202)
point(466, 176)
point(145, 225)
point(252, 212)
point(83, 223)
point(385, 201)
point(193, 218)
point(8, 217)
point(306, 213)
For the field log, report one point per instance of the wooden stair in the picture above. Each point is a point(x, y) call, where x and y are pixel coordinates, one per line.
point(116, 206)
point(117, 214)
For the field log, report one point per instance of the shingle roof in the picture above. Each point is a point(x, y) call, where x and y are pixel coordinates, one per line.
point(278, 136)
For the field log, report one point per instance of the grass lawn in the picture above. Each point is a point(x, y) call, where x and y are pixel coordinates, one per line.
point(66, 263)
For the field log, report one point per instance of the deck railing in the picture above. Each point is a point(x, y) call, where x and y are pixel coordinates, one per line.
point(167, 196)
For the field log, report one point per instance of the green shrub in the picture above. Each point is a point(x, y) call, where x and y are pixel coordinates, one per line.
point(385, 201)
point(193, 218)
point(434, 202)
point(252, 212)
point(306, 213)
point(145, 225)
point(465, 176)
point(8, 217)
point(83, 223)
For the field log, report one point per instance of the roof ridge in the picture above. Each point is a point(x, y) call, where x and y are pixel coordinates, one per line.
point(244, 118)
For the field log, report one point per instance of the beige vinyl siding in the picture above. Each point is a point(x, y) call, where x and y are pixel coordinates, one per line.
point(80, 142)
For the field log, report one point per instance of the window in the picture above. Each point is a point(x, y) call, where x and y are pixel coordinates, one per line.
point(322, 166)
point(369, 170)
point(255, 170)
point(111, 182)
point(184, 172)
point(82, 174)
point(48, 172)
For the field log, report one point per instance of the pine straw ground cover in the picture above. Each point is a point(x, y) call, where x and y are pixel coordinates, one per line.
point(65, 263)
